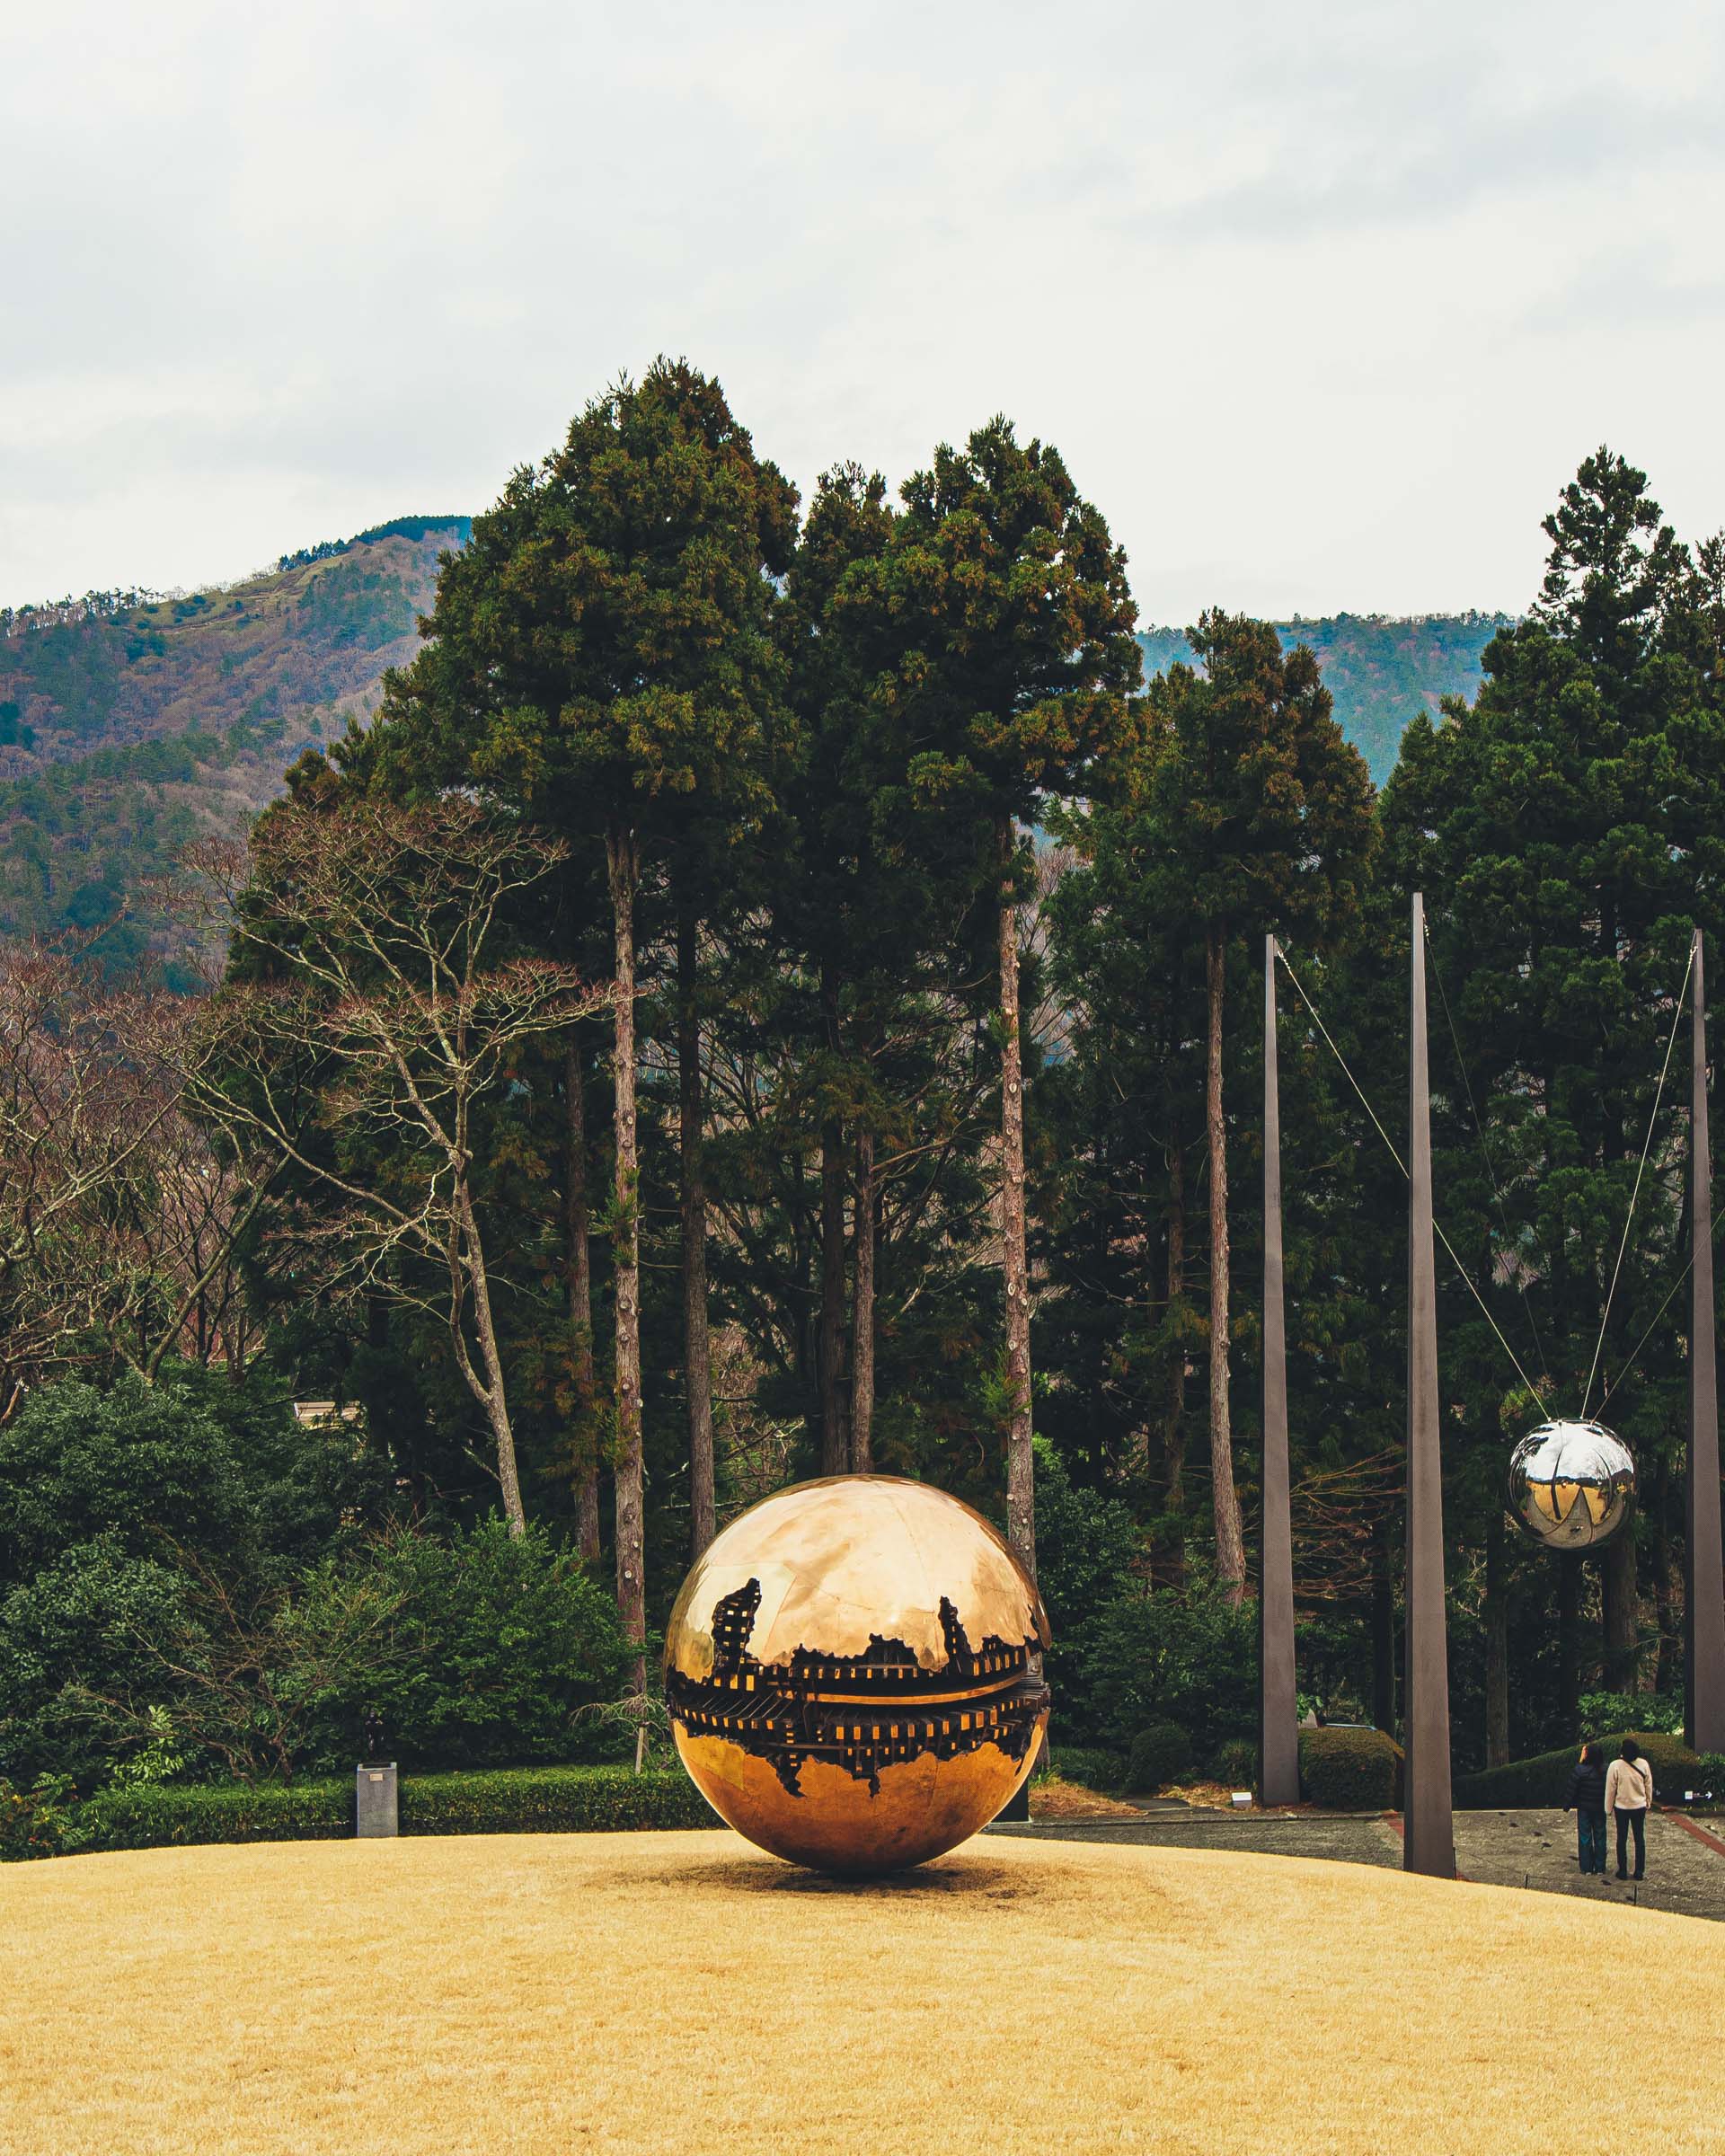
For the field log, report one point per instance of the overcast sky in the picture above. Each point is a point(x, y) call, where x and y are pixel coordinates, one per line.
point(1322, 304)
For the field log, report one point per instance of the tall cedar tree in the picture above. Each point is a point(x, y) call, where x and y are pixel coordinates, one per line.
point(1567, 826)
point(1017, 659)
point(867, 906)
point(604, 651)
point(1270, 809)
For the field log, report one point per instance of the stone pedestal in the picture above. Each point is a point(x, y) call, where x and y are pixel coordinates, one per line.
point(375, 1801)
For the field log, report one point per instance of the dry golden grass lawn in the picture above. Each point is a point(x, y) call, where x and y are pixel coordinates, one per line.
point(677, 1992)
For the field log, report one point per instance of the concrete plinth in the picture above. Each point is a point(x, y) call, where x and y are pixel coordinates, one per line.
point(376, 1810)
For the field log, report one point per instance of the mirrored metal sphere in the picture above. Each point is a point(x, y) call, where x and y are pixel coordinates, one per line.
point(854, 1672)
point(1571, 1485)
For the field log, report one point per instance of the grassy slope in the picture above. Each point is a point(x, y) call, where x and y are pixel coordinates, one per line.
point(681, 1992)
point(1381, 670)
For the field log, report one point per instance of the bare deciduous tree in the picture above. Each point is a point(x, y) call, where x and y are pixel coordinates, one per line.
point(387, 1010)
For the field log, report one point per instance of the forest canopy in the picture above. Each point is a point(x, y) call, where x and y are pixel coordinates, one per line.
point(773, 988)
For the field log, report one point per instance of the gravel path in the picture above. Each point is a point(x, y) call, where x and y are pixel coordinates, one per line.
point(1533, 1850)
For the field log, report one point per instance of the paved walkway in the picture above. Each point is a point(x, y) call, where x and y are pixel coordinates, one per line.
point(1533, 1850)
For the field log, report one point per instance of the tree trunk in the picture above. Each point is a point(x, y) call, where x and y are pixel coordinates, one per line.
point(1497, 1644)
point(492, 1396)
point(834, 1443)
point(835, 1440)
point(1382, 1640)
point(1173, 1419)
point(863, 1311)
point(1622, 1613)
point(1569, 1639)
point(1021, 1467)
point(1668, 1617)
point(1230, 1542)
point(697, 1359)
point(622, 860)
point(576, 1222)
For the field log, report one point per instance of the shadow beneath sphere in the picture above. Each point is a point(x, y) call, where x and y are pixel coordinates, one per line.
point(941, 1879)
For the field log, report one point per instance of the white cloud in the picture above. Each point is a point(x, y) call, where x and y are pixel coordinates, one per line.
point(1323, 304)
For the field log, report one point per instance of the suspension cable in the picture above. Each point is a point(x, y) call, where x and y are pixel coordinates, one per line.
point(1359, 1093)
point(1652, 1123)
point(1485, 1157)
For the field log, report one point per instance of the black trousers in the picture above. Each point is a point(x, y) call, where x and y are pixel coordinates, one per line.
point(1626, 1822)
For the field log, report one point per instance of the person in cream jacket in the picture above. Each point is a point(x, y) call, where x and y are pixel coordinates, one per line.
point(1629, 1794)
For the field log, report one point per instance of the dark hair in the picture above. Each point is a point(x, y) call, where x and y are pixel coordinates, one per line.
point(1590, 1755)
point(1631, 1750)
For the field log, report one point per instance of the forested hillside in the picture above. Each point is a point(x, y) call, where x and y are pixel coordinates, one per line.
point(1381, 669)
point(131, 721)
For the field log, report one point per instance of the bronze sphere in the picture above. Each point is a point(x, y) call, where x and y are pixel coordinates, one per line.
point(1571, 1485)
point(854, 1673)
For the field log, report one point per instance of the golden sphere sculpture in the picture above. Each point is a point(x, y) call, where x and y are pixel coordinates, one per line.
point(1571, 1485)
point(854, 1673)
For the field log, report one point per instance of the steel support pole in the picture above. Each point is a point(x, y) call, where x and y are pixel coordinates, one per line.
point(1279, 1744)
point(1703, 1601)
point(1428, 1837)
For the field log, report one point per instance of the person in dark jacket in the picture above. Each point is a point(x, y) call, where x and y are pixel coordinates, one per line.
point(1586, 1800)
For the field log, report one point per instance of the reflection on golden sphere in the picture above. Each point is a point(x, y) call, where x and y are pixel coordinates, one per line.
point(855, 1673)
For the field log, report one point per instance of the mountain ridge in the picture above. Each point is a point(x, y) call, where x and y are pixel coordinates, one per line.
point(132, 722)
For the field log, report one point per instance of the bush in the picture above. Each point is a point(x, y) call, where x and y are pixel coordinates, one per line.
point(1350, 1769)
point(1088, 1765)
point(1544, 1780)
point(1236, 1764)
point(34, 1822)
point(1710, 1774)
point(526, 1800)
point(83, 1629)
point(1161, 1754)
point(1086, 1543)
point(482, 1653)
point(1602, 1710)
point(1178, 1655)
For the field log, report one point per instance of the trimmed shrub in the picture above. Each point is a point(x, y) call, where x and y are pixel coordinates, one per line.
point(1161, 1754)
point(170, 1815)
point(521, 1800)
point(551, 1800)
point(1350, 1769)
point(1543, 1779)
point(1087, 1764)
point(1236, 1764)
point(1710, 1774)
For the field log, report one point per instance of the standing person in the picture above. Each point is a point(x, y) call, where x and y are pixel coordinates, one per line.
point(1587, 1799)
point(1629, 1792)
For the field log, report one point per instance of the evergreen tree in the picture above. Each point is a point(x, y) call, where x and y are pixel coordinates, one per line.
point(1017, 654)
point(1567, 827)
point(604, 652)
point(1268, 816)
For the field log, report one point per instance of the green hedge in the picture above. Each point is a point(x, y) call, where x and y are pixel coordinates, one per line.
point(1544, 1780)
point(167, 1815)
point(1350, 1769)
point(504, 1800)
point(551, 1800)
